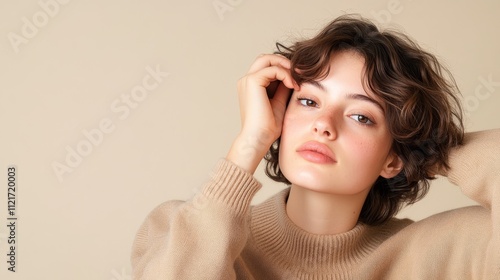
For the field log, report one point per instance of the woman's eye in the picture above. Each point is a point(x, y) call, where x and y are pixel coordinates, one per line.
point(307, 102)
point(362, 119)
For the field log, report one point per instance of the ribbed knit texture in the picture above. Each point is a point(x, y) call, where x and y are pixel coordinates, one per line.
point(243, 187)
point(302, 253)
point(218, 235)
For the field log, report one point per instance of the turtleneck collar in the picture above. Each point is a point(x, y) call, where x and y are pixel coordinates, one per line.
point(279, 238)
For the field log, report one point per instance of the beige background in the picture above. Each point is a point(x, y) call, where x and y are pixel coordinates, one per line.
point(65, 76)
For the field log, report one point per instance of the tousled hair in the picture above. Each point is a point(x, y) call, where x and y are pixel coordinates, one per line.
point(422, 109)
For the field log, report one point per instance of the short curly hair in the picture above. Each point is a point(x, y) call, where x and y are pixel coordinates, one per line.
point(423, 110)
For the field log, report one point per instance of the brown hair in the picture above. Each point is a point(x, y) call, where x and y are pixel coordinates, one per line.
point(423, 112)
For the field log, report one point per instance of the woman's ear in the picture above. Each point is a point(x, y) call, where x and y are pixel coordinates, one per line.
point(392, 166)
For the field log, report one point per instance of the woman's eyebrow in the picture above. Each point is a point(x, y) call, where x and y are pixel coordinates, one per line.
point(317, 85)
point(355, 96)
point(362, 97)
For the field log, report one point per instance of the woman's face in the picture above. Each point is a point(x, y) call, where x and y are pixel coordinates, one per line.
point(335, 139)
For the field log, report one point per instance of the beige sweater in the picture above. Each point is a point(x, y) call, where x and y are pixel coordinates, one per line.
point(218, 235)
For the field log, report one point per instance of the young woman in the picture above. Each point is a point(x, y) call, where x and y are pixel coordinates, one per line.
point(356, 121)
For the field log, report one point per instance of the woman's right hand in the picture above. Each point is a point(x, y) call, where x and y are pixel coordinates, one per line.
point(263, 94)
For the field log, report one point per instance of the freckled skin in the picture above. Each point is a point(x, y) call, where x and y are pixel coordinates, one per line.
point(362, 151)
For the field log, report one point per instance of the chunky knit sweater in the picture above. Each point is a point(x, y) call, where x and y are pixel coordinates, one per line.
point(219, 235)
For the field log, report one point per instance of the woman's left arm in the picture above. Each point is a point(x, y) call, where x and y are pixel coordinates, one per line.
point(475, 167)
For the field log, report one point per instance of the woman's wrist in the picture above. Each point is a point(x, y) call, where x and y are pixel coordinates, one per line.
point(247, 153)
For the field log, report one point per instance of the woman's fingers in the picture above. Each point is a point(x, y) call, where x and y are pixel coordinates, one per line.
point(266, 76)
point(266, 60)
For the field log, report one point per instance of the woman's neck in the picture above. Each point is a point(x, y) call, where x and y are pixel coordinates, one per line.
point(323, 213)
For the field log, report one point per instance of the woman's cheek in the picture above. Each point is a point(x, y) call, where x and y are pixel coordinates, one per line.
point(368, 154)
point(289, 122)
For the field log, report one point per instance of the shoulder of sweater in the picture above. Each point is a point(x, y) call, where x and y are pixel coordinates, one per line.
point(458, 215)
point(475, 217)
point(166, 207)
point(157, 221)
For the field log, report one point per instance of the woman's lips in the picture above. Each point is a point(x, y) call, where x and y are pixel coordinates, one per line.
point(316, 152)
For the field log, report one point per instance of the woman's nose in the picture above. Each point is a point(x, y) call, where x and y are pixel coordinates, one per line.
point(324, 126)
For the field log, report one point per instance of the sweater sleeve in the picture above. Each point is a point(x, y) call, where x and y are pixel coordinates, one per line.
point(475, 167)
point(200, 238)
